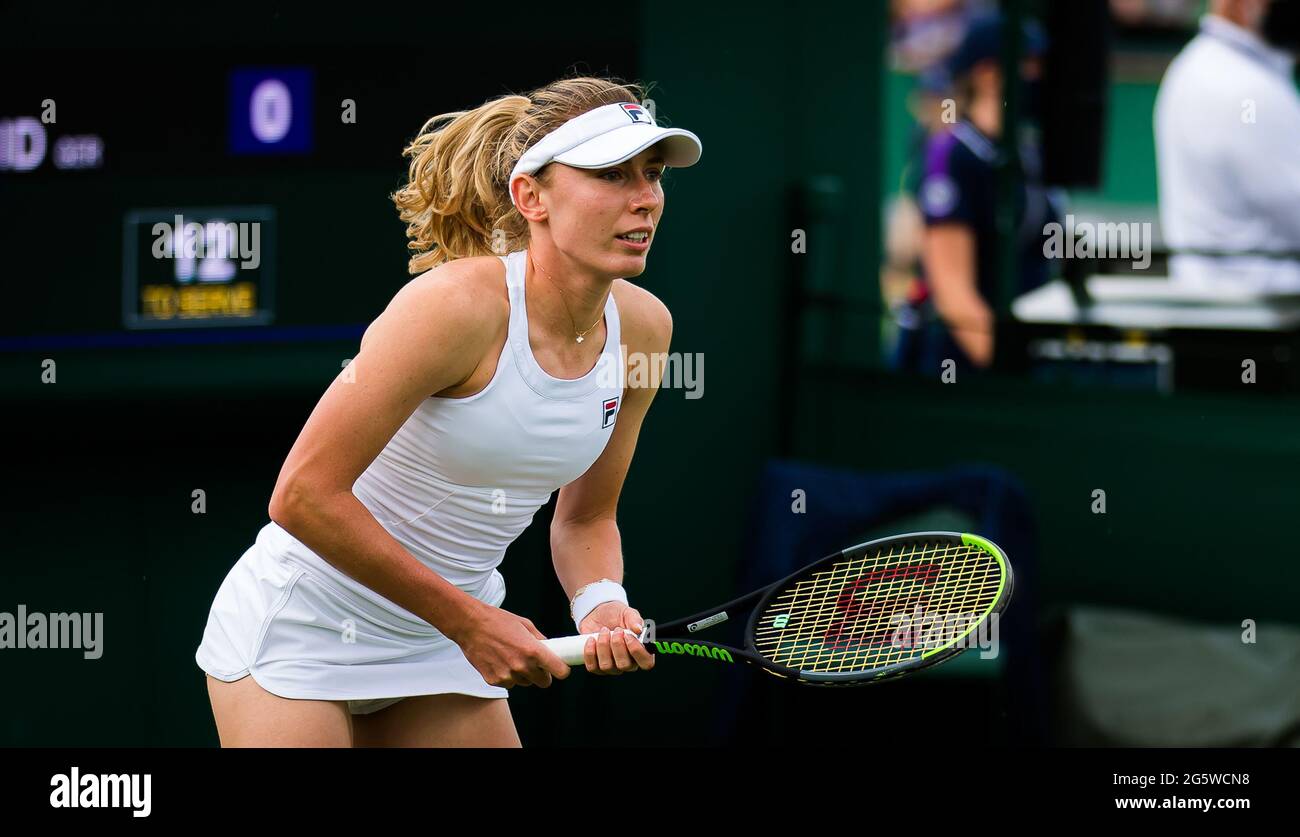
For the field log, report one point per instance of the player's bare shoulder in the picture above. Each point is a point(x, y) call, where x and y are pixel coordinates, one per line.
point(474, 286)
point(468, 295)
point(646, 322)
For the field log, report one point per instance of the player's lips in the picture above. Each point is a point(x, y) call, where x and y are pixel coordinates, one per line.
point(638, 239)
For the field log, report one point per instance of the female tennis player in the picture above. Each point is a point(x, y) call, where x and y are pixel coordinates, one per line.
point(368, 612)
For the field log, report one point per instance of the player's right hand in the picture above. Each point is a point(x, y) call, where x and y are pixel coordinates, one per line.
point(504, 648)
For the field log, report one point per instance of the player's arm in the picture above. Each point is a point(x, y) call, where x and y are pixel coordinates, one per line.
point(432, 336)
point(585, 541)
point(948, 252)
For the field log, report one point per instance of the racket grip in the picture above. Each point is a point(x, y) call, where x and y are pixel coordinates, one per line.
point(569, 648)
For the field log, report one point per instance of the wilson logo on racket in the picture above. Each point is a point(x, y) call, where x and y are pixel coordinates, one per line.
point(692, 650)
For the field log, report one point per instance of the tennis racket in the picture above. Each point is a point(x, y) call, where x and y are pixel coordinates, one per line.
point(869, 613)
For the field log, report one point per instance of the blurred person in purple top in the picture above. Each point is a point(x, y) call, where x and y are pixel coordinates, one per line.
point(950, 313)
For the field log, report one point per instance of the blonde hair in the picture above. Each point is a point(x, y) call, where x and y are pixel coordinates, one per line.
point(457, 192)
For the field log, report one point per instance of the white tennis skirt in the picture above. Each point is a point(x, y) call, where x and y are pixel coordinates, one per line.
point(301, 634)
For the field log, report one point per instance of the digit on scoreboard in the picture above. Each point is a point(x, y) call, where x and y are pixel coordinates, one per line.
point(271, 110)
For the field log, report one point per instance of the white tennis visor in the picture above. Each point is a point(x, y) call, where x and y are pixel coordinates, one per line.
point(606, 136)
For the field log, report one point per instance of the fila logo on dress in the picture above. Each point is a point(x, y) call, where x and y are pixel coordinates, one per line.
point(608, 410)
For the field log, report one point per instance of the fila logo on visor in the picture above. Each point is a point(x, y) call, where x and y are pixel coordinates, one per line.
point(608, 411)
point(637, 113)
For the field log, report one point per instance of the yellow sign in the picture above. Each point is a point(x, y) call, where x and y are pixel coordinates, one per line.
point(197, 302)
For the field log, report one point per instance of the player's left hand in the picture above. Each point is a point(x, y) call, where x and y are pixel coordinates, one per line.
point(613, 651)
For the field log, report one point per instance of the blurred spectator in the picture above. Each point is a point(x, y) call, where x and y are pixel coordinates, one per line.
point(904, 226)
point(1177, 14)
point(1227, 127)
point(925, 32)
point(950, 313)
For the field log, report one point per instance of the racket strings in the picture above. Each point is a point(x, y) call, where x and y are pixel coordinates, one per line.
point(880, 608)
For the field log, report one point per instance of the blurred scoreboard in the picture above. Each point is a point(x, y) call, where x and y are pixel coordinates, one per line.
point(225, 194)
point(198, 267)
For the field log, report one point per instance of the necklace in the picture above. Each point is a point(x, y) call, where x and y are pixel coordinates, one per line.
point(578, 335)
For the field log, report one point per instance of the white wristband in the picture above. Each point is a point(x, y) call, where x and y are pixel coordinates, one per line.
point(592, 596)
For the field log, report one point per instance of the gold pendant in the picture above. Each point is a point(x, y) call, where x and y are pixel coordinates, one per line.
point(579, 338)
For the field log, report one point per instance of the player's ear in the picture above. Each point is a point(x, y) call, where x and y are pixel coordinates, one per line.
point(527, 195)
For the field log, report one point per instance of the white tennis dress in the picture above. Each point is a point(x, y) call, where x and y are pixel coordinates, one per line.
point(457, 483)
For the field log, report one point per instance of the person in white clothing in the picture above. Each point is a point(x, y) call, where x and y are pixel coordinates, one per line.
point(1227, 128)
point(368, 611)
